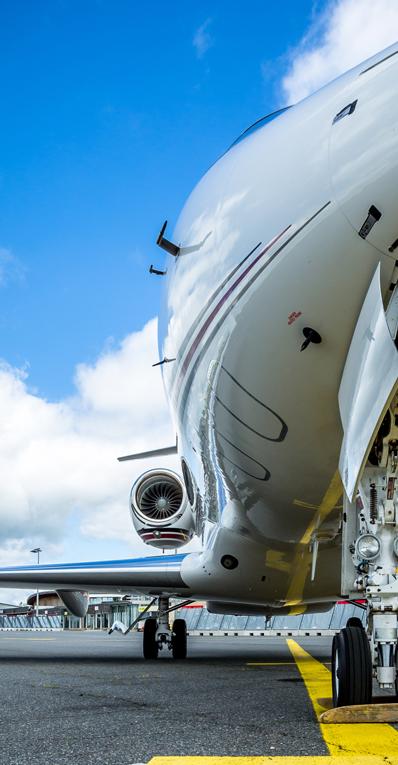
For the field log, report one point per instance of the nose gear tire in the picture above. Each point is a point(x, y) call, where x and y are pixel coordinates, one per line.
point(354, 621)
point(351, 668)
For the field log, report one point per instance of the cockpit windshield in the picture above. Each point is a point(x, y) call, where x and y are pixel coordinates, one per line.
point(259, 124)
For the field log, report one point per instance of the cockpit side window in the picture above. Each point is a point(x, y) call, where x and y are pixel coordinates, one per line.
point(259, 124)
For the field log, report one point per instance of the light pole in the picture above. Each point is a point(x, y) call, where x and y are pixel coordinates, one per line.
point(38, 551)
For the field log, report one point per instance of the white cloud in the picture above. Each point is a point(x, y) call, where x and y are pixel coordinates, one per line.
point(58, 460)
point(10, 267)
point(347, 33)
point(202, 40)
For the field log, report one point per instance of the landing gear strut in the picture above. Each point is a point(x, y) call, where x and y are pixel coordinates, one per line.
point(157, 633)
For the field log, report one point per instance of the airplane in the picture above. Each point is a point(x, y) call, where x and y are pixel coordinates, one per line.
point(278, 348)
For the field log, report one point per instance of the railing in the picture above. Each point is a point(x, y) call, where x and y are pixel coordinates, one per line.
point(21, 622)
point(200, 620)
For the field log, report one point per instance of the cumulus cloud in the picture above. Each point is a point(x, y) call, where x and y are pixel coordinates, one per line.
point(344, 35)
point(58, 460)
point(202, 40)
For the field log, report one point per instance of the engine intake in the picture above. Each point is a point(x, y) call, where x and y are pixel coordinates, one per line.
point(160, 510)
point(159, 498)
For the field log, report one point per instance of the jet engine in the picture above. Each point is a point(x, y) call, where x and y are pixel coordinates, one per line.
point(160, 510)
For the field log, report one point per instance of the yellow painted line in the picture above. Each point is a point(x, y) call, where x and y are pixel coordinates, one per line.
point(343, 760)
point(358, 739)
point(23, 638)
point(274, 663)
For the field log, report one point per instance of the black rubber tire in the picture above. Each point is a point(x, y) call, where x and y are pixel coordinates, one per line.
point(151, 648)
point(351, 668)
point(354, 621)
point(179, 639)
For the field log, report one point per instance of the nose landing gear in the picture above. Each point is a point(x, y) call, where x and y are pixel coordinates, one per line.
point(370, 573)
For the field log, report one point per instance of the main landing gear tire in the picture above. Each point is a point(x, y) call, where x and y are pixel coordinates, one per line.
point(179, 639)
point(151, 648)
point(351, 668)
point(354, 621)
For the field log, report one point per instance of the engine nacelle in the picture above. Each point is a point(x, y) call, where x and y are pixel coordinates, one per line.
point(75, 602)
point(160, 510)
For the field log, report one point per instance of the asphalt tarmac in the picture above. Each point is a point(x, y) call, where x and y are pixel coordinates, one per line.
point(82, 698)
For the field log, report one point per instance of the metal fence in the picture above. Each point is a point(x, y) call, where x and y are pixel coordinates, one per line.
point(21, 622)
point(199, 619)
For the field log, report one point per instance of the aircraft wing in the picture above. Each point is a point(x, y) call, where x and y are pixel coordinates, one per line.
point(155, 575)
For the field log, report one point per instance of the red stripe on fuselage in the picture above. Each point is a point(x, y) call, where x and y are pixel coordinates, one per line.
point(163, 535)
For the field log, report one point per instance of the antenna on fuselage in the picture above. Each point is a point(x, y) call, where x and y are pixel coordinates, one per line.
point(165, 244)
point(153, 453)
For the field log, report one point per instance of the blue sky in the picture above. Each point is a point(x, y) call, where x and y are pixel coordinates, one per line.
point(111, 112)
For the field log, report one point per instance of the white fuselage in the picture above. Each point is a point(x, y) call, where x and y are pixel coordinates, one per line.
point(269, 246)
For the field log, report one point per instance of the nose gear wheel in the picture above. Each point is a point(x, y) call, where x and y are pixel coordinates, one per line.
point(351, 668)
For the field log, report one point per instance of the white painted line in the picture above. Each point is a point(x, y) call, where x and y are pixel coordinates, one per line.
point(30, 629)
point(263, 633)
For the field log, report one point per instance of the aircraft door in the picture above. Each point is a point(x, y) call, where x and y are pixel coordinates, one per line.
point(364, 155)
